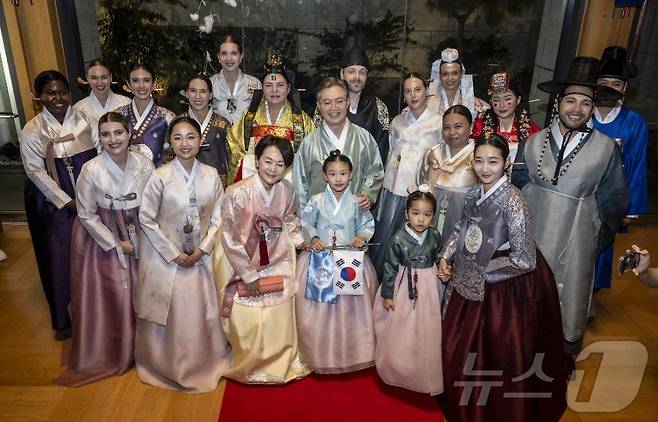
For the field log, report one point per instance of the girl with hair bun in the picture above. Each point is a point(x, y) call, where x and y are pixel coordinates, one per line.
point(500, 306)
point(408, 307)
point(334, 219)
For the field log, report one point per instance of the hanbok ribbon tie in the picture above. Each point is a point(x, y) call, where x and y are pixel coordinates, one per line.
point(264, 229)
point(130, 228)
point(50, 158)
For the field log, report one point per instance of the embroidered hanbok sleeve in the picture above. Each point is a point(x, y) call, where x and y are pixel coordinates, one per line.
point(309, 220)
point(232, 213)
point(391, 265)
point(148, 218)
point(87, 211)
point(424, 167)
point(450, 245)
point(35, 167)
point(522, 256)
point(452, 241)
point(235, 141)
point(365, 223)
point(207, 244)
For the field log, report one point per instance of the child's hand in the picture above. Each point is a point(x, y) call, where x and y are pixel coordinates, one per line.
point(363, 201)
point(317, 244)
point(444, 270)
point(388, 305)
point(357, 242)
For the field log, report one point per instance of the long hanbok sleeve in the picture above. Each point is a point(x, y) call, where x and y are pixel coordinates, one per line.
point(309, 219)
point(635, 168)
point(374, 174)
point(522, 256)
point(33, 158)
point(207, 244)
point(392, 262)
point(87, 211)
point(231, 241)
point(613, 199)
point(365, 224)
point(148, 218)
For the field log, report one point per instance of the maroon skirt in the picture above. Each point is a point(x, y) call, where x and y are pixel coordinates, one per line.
point(503, 358)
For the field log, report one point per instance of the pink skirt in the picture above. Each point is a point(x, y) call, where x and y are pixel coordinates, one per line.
point(101, 308)
point(336, 338)
point(408, 352)
point(190, 353)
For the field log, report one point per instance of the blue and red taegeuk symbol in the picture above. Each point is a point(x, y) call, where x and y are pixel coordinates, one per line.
point(348, 274)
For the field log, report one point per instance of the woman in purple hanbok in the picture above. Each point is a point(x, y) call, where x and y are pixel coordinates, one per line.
point(104, 254)
point(54, 146)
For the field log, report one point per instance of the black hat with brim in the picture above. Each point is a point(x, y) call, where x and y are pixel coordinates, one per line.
point(614, 64)
point(583, 72)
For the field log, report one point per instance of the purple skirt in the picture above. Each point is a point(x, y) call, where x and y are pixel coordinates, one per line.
point(516, 335)
point(102, 315)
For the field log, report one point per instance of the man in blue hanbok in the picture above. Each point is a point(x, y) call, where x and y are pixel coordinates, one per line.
point(630, 130)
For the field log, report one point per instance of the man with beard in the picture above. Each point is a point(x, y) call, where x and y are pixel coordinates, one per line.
point(630, 130)
point(573, 180)
point(365, 110)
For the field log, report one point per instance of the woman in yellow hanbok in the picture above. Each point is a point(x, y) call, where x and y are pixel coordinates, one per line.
point(276, 110)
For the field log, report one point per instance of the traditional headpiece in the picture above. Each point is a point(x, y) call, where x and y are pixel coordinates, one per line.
point(274, 65)
point(614, 64)
point(583, 72)
point(449, 55)
point(355, 53)
point(499, 82)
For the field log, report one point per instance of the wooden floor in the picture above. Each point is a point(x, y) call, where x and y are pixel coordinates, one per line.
point(29, 356)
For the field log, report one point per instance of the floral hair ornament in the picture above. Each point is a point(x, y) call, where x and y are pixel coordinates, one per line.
point(499, 83)
point(425, 188)
point(449, 55)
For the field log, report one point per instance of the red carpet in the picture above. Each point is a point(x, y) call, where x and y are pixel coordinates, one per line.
point(360, 396)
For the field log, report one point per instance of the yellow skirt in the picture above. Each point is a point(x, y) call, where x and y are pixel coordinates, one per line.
point(263, 339)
